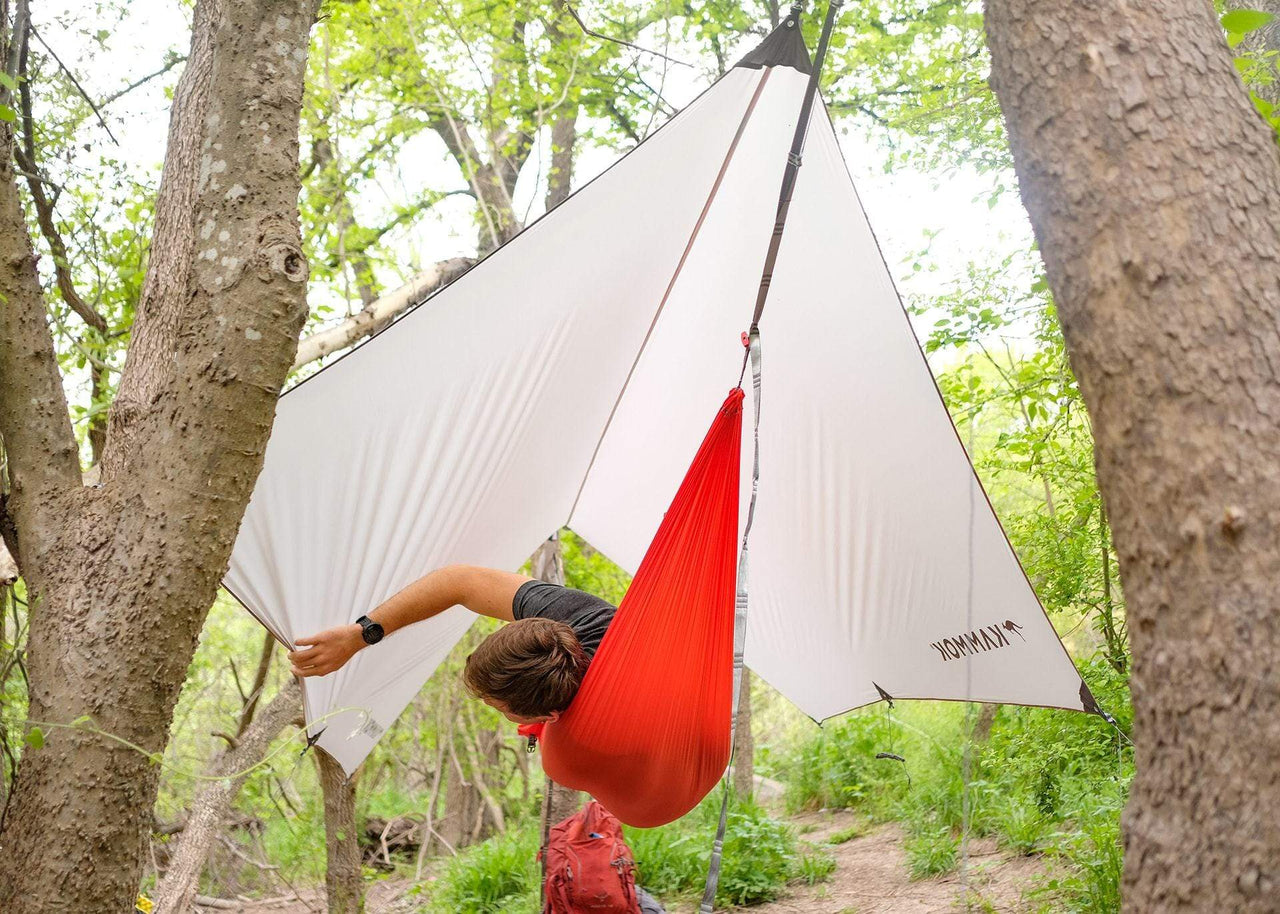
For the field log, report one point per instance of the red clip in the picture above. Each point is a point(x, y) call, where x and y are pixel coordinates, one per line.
point(746, 340)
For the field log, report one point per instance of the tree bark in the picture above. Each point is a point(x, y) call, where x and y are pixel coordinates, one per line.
point(209, 809)
point(1154, 190)
point(122, 575)
point(170, 259)
point(343, 883)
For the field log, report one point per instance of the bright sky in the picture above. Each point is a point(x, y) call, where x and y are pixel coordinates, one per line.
point(903, 206)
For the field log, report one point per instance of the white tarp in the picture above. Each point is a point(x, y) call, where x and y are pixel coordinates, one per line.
point(464, 433)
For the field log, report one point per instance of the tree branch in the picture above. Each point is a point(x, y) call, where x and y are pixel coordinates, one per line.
point(148, 365)
point(173, 61)
point(75, 82)
point(381, 312)
point(17, 44)
point(26, 156)
point(39, 442)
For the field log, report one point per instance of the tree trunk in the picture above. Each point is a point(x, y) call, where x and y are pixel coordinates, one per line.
point(564, 133)
point(1154, 190)
point(211, 805)
point(461, 800)
point(122, 575)
point(343, 884)
point(744, 761)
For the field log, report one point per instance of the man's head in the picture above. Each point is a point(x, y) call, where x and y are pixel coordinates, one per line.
point(529, 670)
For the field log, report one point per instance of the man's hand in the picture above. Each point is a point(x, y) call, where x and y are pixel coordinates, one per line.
point(326, 651)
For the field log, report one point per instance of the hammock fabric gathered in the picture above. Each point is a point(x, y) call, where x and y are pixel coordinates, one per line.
point(649, 731)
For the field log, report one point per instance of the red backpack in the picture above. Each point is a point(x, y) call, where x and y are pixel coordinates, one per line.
point(589, 868)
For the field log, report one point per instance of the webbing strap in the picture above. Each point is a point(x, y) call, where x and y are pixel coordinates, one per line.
point(739, 627)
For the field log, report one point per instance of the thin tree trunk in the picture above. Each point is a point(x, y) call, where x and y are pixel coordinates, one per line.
point(122, 576)
point(1154, 190)
point(564, 133)
point(343, 884)
point(212, 804)
point(462, 801)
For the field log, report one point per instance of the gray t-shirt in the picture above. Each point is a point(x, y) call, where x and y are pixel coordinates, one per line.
point(588, 616)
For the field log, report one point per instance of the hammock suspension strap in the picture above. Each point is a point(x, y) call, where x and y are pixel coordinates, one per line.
point(739, 626)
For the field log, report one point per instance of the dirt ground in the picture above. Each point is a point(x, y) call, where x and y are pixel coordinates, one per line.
point(870, 877)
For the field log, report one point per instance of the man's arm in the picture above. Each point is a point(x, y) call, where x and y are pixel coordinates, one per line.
point(484, 591)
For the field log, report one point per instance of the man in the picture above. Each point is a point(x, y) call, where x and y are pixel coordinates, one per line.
point(529, 670)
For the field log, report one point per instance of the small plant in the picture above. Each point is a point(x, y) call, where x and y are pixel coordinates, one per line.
point(815, 866)
point(931, 851)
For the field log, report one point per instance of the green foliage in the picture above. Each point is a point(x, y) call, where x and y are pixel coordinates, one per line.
point(1014, 397)
point(499, 876)
point(1259, 66)
point(760, 857)
point(1094, 861)
point(1040, 781)
point(1022, 824)
point(760, 854)
point(589, 570)
point(931, 850)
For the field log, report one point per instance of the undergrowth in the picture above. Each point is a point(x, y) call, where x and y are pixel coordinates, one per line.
point(1042, 782)
point(761, 855)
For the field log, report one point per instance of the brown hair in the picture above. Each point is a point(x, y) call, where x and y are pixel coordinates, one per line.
point(533, 666)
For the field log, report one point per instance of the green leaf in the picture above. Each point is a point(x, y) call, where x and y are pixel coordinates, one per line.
point(8, 114)
point(35, 738)
point(8, 81)
point(1242, 22)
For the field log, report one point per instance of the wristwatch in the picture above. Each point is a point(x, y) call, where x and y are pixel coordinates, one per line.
point(371, 631)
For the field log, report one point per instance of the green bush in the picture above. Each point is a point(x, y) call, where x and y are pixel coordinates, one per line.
point(760, 854)
point(499, 876)
point(1021, 825)
point(1095, 864)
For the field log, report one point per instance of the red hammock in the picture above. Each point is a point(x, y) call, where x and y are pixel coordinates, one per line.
point(649, 731)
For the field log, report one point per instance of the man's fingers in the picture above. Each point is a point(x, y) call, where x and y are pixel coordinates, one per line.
point(309, 654)
point(310, 639)
point(311, 670)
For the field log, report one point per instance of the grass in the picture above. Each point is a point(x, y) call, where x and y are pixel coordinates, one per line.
point(1043, 782)
point(931, 850)
point(816, 865)
point(847, 834)
point(498, 876)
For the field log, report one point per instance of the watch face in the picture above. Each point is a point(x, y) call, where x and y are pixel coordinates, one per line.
point(372, 633)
